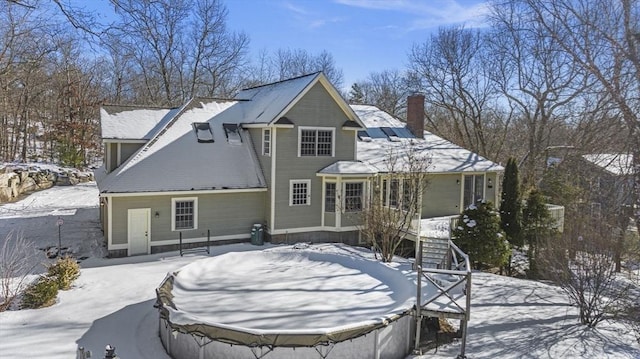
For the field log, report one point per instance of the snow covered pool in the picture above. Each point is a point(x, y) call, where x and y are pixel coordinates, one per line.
point(320, 301)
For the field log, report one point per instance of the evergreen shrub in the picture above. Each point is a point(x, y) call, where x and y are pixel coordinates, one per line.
point(64, 272)
point(40, 294)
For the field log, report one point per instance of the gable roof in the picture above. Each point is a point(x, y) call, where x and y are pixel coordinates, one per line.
point(266, 104)
point(174, 160)
point(178, 158)
point(386, 134)
point(617, 164)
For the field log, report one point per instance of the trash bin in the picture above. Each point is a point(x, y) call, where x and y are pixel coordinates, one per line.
point(257, 235)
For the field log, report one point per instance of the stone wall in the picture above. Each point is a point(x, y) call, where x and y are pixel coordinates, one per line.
point(16, 180)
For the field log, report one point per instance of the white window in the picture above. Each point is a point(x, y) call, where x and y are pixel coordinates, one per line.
point(330, 197)
point(473, 189)
point(353, 196)
point(184, 213)
point(266, 141)
point(394, 193)
point(299, 192)
point(315, 141)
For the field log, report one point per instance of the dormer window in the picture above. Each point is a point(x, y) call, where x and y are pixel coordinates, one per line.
point(232, 131)
point(203, 132)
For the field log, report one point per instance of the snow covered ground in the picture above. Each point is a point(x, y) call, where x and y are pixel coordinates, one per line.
point(112, 301)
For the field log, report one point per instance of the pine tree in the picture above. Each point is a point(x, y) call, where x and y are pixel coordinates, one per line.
point(510, 206)
point(356, 95)
point(479, 235)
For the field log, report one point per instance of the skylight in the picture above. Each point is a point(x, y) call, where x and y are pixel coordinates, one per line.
point(391, 134)
point(364, 136)
point(203, 132)
point(232, 131)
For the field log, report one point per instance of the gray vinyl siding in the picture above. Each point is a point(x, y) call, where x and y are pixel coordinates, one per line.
point(316, 109)
point(127, 150)
point(265, 165)
point(330, 219)
point(223, 214)
point(490, 193)
point(442, 196)
point(349, 219)
point(113, 152)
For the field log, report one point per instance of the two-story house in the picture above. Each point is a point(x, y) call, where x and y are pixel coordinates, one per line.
point(291, 155)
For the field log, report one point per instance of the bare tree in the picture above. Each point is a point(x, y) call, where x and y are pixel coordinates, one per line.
point(387, 90)
point(396, 199)
point(537, 78)
point(18, 260)
point(453, 71)
point(602, 37)
point(287, 63)
point(582, 264)
point(178, 49)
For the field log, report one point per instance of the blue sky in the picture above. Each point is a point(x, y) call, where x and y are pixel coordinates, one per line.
point(362, 35)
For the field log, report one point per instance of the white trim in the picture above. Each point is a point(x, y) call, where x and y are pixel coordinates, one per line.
point(173, 213)
point(316, 128)
point(462, 184)
point(265, 130)
point(272, 213)
point(314, 229)
point(333, 92)
point(297, 181)
point(114, 247)
point(110, 224)
point(254, 125)
point(324, 199)
point(365, 177)
point(123, 140)
point(363, 195)
point(201, 239)
point(183, 193)
point(107, 162)
point(355, 144)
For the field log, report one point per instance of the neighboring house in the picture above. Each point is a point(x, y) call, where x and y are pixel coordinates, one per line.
point(608, 179)
point(292, 156)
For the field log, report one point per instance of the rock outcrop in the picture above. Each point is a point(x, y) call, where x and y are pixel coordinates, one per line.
point(18, 179)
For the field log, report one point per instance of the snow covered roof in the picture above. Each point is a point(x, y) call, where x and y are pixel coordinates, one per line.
point(348, 168)
point(174, 160)
point(132, 122)
point(202, 146)
point(618, 164)
point(386, 134)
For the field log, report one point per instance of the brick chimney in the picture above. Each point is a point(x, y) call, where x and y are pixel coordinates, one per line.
point(415, 115)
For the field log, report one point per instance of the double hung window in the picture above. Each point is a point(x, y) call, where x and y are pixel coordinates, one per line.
point(316, 142)
point(184, 213)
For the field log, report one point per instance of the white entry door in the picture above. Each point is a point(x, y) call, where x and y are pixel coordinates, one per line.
point(138, 233)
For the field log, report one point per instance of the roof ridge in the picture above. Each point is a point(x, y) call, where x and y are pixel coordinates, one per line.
point(281, 81)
